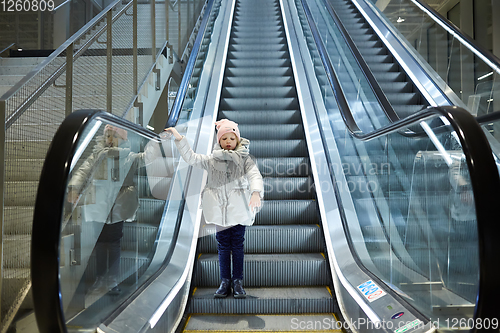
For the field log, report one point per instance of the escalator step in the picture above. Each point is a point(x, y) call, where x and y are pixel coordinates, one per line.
point(288, 188)
point(269, 132)
point(266, 300)
point(258, 54)
point(250, 34)
point(263, 323)
point(271, 239)
point(298, 269)
point(286, 148)
point(284, 167)
point(258, 63)
point(271, 72)
point(290, 212)
point(288, 103)
point(263, 117)
point(256, 47)
point(255, 92)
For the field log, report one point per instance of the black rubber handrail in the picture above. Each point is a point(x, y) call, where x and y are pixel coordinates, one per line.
point(487, 118)
point(378, 92)
point(49, 207)
point(341, 99)
point(188, 72)
point(454, 29)
point(481, 120)
point(483, 172)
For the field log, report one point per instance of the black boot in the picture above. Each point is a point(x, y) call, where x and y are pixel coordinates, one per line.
point(238, 290)
point(224, 289)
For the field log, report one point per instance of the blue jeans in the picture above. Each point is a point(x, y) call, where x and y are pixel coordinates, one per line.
point(229, 241)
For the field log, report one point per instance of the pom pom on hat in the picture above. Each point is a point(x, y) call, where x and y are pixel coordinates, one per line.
point(119, 131)
point(226, 126)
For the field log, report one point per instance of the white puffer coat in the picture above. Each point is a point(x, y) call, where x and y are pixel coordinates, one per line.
point(232, 177)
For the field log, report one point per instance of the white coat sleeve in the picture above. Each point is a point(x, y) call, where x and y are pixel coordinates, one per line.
point(80, 175)
point(192, 158)
point(254, 177)
point(457, 175)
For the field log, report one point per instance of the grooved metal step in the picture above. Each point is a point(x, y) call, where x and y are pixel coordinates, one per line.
point(287, 188)
point(266, 300)
point(268, 132)
point(298, 269)
point(276, 239)
point(263, 323)
point(274, 212)
point(284, 167)
point(263, 117)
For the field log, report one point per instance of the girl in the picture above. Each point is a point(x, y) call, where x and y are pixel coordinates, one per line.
point(230, 198)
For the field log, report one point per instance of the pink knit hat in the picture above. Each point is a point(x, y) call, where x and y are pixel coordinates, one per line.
point(226, 126)
point(120, 131)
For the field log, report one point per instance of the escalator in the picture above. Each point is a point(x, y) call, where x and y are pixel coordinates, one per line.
point(381, 171)
point(377, 249)
point(401, 92)
point(285, 270)
point(414, 204)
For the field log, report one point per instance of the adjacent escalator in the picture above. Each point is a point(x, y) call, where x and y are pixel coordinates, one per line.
point(394, 81)
point(412, 192)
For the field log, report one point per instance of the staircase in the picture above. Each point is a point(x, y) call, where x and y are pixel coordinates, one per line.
point(28, 139)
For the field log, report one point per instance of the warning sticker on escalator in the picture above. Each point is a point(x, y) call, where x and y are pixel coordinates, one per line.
point(371, 291)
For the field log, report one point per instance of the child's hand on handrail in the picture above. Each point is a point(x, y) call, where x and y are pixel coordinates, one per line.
point(254, 202)
point(174, 132)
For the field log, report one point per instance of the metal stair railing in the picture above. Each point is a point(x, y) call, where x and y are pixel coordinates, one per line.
point(104, 65)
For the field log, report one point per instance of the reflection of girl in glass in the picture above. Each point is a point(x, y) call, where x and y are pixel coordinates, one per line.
point(111, 167)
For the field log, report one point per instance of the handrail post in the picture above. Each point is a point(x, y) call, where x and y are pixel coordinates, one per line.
point(188, 17)
point(109, 64)
point(135, 55)
point(167, 19)
point(3, 111)
point(69, 79)
point(153, 30)
point(179, 52)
